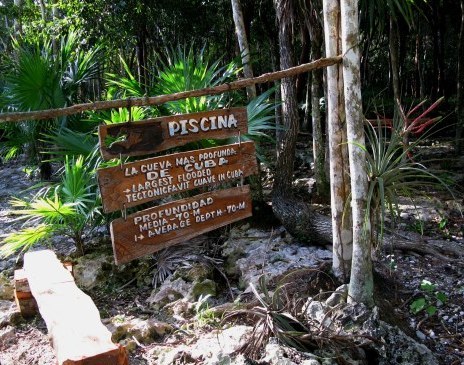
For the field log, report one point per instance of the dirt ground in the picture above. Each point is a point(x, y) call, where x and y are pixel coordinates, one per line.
point(399, 274)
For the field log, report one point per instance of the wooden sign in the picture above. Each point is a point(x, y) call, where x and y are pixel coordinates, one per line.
point(153, 229)
point(158, 134)
point(154, 178)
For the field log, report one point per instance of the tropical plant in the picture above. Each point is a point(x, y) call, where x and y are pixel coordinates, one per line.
point(44, 79)
point(69, 208)
point(186, 70)
point(261, 120)
point(430, 299)
point(392, 174)
point(168, 260)
point(274, 319)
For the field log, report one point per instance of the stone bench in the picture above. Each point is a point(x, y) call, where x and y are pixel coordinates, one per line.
point(73, 321)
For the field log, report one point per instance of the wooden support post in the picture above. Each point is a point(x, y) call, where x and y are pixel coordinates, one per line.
point(73, 321)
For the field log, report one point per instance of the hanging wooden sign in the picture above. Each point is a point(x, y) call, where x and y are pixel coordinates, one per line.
point(153, 229)
point(158, 134)
point(146, 180)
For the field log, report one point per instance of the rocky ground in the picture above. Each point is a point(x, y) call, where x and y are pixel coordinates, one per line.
point(193, 304)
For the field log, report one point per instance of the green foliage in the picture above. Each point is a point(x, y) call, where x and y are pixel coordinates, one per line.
point(261, 120)
point(186, 70)
point(430, 300)
point(393, 174)
point(68, 208)
point(203, 315)
point(42, 78)
point(375, 13)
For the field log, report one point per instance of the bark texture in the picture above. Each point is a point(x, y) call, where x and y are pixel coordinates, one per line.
point(460, 87)
point(361, 281)
point(313, 22)
point(243, 45)
point(394, 64)
point(338, 151)
point(286, 149)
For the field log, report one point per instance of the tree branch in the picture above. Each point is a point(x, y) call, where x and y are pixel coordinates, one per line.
point(161, 99)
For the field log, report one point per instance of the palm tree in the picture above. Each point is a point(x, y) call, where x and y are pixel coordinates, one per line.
point(41, 79)
point(69, 208)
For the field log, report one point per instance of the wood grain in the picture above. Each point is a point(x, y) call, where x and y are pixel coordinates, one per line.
point(154, 178)
point(153, 229)
point(73, 321)
point(159, 134)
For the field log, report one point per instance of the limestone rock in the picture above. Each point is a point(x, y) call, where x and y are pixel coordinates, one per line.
point(180, 308)
point(92, 270)
point(198, 272)
point(257, 252)
point(9, 314)
point(170, 291)
point(215, 348)
point(6, 288)
point(393, 347)
point(338, 296)
point(144, 331)
point(400, 349)
point(7, 336)
point(274, 355)
point(204, 288)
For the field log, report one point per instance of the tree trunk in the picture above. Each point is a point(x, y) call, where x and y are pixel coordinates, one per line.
point(460, 86)
point(17, 19)
point(438, 49)
point(361, 281)
point(338, 151)
point(286, 150)
point(322, 184)
point(419, 87)
point(302, 79)
point(394, 64)
point(312, 11)
point(243, 44)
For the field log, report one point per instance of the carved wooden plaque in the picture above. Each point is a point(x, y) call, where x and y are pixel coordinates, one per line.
point(159, 134)
point(154, 178)
point(153, 229)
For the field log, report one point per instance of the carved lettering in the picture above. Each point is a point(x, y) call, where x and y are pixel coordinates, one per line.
point(157, 177)
point(205, 124)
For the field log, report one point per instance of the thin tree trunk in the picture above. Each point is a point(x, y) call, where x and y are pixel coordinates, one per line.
point(322, 184)
point(302, 79)
point(312, 10)
point(394, 64)
point(308, 105)
point(419, 87)
point(17, 19)
point(361, 281)
point(243, 44)
point(284, 166)
point(438, 51)
point(338, 151)
point(460, 87)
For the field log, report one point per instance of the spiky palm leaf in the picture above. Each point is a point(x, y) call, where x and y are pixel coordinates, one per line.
point(66, 208)
point(392, 174)
point(41, 79)
point(186, 70)
point(128, 85)
point(25, 239)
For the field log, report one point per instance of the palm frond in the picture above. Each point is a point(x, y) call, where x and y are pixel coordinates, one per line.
point(24, 239)
point(186, 70)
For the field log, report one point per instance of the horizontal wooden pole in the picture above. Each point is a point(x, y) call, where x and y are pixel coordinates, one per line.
point(161, 99)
